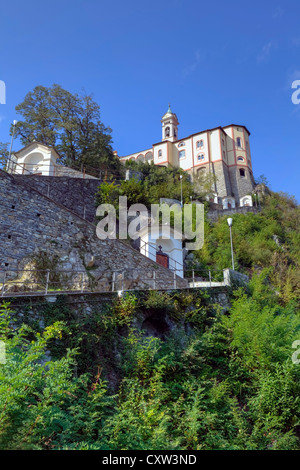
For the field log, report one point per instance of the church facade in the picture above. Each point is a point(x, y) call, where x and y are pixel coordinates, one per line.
point(222, 151)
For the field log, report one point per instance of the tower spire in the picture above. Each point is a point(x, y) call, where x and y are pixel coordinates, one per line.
point(169, 126)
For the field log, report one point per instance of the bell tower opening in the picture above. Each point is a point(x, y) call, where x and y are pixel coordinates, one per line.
point(169, 126)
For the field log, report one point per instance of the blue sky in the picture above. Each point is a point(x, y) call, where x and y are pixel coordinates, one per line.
point(216, 62)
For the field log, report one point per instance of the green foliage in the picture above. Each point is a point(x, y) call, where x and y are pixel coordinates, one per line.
point(108, 193)
point(213, 381)
point(268, 239)
point(124, 309)
point(69, 122)
point(4, 153)
point(226, 383)
point(157, 182)
point(43, 406)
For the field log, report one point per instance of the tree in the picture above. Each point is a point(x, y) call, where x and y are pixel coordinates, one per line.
point(204, 185)
point(3, 153)
point(69, 122)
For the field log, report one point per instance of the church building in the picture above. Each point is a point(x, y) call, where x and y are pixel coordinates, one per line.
point(222, 151)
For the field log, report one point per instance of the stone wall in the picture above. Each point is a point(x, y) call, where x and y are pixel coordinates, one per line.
point(31, 224)
point(213, 215)
point(223, 180)
point(77, 194)
point(241, 186)
point(235, 278)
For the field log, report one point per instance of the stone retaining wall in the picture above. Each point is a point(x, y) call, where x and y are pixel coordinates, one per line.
point(33, 225)
point(213, 215)
point(77, 194)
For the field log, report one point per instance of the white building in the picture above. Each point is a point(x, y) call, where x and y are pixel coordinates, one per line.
point(34, 158)
point(40, 160)
point(161, 241)
point(222, 151)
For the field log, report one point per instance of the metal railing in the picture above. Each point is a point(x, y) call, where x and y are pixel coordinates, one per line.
point(85, 172)
point(44, 186)
point(16, 282)
point(204, 277)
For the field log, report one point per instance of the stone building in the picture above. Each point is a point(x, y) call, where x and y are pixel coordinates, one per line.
point(222, 151)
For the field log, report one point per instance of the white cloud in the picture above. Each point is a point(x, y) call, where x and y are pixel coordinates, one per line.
point(296, 41)
point(265, 52)
point(192, 67)
point(278, 12)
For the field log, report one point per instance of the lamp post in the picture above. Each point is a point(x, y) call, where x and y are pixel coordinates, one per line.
point(11, 144)
point(229, 221)
point(181, 189)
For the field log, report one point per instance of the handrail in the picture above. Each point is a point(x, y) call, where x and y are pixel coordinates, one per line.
point(83, 170)
point(46, 281)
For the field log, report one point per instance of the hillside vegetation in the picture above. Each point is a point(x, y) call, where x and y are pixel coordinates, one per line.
point(216, 380)
point(267, 241)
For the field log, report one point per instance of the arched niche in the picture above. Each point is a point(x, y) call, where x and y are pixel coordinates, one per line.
point(149, 157)
point(34, 162)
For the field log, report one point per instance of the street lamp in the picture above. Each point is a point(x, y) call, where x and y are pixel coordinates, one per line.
point(11, 143)
point(181, 189)
point(229, 221)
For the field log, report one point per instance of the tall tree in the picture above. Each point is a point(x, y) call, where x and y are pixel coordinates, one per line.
point(4, 153)
point(69, 122)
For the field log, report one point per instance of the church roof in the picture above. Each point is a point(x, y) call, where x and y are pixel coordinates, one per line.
point(36, 143)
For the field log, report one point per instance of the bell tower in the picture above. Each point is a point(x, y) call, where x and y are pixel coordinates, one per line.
point(169, 126)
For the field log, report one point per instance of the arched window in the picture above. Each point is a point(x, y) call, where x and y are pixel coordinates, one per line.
point(241, 159)
point(201, 171)
point(242, 173)
point(201, 157)
point(239, 142)
point(182, 144)
point(159, 153)
point(148, 156)
point(200, 144)
point(167, 132)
